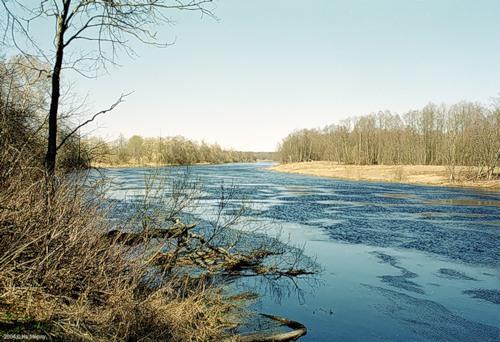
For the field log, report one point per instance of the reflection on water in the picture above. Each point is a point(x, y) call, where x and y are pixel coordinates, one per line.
point(463, 201)
point(401, 262)
point(397, 195)
point(296, 190)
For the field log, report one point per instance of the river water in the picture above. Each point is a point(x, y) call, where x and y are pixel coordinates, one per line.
point(399, 262)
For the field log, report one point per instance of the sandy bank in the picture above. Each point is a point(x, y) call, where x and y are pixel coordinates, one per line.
point(410, 174)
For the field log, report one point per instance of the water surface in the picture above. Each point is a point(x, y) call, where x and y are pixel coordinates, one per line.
point(400, 262)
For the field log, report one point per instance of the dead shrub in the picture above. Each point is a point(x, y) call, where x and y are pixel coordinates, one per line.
point(59, 276)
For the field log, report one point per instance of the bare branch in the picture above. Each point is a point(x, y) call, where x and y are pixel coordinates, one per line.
point(104, 111)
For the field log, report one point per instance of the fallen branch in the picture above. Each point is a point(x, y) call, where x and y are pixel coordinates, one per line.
point(134, 239)
point(192, 249)
point(298, 331)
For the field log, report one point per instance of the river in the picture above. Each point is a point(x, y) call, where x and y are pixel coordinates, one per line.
point(399, 262)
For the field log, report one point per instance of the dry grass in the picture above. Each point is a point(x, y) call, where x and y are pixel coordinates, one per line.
point(411, 174)
point(59, 277)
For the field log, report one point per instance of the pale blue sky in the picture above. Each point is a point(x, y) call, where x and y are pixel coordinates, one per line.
point(269, 67)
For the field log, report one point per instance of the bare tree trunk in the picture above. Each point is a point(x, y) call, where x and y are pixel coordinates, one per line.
point(50, 158)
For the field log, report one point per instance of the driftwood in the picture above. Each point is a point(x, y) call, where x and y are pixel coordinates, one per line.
point(191, 249)
point(298, 331)
point(134, 239)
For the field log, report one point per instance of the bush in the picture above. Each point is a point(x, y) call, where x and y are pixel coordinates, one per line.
point(57, 273)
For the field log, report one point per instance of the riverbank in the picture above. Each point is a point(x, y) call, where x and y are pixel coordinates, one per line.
point(139, 165)
point(408, 174)
point(147, 165)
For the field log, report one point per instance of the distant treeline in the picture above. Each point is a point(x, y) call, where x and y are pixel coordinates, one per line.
point(170, 150)
point(462, 134)
point(24, 127)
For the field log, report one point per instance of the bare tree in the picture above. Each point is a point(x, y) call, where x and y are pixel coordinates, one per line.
point(105, 27)
point(464, 137)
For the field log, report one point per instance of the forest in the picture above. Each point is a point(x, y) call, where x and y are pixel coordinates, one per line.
point(160, 151)
point(463, 134)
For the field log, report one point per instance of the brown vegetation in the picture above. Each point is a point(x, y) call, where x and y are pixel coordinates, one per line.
point(62, 276)
point(465, 134)
point(411, 174)
point(58, 277)
point(68, 271)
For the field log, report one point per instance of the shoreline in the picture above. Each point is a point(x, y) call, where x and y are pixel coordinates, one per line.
point(138, 166)
point(149, 165)
point(430, 175)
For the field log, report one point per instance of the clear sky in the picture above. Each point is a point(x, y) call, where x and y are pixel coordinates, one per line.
point(267, 67)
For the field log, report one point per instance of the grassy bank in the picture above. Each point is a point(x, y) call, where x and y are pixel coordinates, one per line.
point(60, 277)
point(63, 277)
point(408, 174)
